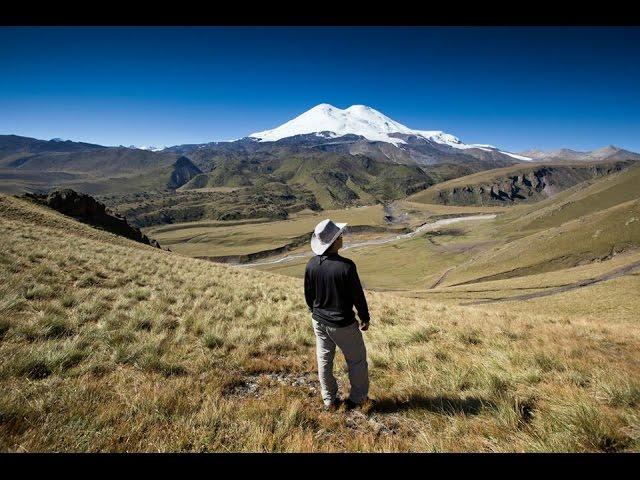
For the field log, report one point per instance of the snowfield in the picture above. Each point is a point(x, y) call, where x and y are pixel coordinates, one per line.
point(151, 148)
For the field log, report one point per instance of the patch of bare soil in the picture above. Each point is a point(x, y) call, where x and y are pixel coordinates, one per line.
point(253, 385)
point(378, 423)
point(442, 277)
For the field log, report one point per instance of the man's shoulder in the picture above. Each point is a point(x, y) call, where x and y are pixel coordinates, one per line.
point(336, 260)
point(347, 261)
point(312, 261)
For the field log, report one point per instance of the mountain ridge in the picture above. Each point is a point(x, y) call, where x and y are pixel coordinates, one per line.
point(609, 152)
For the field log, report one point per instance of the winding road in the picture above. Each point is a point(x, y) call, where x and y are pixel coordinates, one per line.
point(379, 241)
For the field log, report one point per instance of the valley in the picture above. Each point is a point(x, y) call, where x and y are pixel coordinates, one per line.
point(590, 222)
point(585, 225)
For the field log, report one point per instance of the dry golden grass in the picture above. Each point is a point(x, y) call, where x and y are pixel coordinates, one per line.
point(108, 345)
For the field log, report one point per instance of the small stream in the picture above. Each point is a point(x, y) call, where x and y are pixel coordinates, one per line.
point(379, 241)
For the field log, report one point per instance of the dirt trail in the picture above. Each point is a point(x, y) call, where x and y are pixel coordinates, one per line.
point(442, 277)
point(618, 272)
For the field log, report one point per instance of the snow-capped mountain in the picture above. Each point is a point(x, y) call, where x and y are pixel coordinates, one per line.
point(151, 148)
point(327, 121)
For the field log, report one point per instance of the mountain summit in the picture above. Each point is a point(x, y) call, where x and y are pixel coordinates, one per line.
point(325, 120)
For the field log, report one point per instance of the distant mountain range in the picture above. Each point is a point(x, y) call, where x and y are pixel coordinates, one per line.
point(31, 165)
point(564, 154)
point(326, 157)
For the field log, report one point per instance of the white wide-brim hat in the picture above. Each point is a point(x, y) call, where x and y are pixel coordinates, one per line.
point(325, 233)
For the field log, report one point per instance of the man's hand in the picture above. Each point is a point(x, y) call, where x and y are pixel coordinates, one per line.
point(364, 326)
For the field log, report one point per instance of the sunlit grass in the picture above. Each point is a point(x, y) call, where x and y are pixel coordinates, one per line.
point(107, 345)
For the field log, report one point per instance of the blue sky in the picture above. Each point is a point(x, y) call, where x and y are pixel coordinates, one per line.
point(516, 88)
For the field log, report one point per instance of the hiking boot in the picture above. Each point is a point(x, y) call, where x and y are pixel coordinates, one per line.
point(350, 405)
point(366, 405)
point(333, 406)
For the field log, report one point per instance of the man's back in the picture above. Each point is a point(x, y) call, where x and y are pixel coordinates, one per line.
point(332, 288)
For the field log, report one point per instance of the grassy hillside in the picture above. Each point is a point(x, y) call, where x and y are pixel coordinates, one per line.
point(611, 292)
point(583, 199)
point(109, 345)
point(590, 238)
point(336, 179)
point(15, 183)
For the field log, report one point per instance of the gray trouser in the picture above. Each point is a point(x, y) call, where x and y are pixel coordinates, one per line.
point(350, 341)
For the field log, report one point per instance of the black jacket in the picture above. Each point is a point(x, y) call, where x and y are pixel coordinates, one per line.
point(332, 288)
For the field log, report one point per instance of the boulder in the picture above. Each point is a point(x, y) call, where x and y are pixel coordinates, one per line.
point(74, 204)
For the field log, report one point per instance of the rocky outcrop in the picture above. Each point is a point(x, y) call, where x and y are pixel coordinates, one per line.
point(527, 184)
point(522, 187)
point(88, 210)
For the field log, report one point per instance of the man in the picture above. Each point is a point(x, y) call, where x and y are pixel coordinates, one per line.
point(332, 288)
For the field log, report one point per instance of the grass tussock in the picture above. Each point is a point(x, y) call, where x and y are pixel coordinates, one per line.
point(107, 345)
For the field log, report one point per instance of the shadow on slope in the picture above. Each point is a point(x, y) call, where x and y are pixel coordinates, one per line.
point(444, 404)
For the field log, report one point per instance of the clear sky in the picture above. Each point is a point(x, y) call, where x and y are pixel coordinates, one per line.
point(515, 88)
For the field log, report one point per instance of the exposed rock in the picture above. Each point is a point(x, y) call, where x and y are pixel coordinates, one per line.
point(528, 185)
point(253, 385)
point(88, 210)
